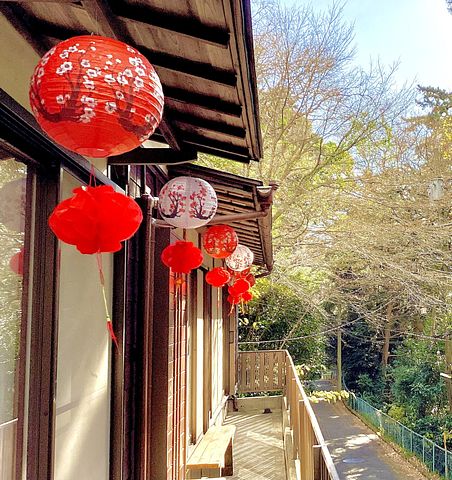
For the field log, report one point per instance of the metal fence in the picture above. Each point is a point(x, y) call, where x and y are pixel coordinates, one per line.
point(436, 458)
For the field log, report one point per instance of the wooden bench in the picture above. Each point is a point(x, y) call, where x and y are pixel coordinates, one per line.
point(213, 456)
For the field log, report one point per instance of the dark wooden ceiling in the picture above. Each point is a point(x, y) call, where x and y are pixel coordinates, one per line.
point(238, 195)
point(201, 49)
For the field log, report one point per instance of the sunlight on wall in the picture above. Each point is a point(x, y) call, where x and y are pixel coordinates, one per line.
point(83, 371)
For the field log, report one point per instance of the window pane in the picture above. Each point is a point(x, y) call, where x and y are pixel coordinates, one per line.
point(83, 365)
point(12, 226)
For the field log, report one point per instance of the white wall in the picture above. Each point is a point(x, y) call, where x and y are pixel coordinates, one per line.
point(83, 368)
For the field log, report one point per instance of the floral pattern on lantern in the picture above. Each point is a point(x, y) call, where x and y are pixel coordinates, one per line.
point(182, 257)
point(218, 277)
point(96, 219)
point(220, 241)
point(241, 259)
point(187, 202)
point(96, 96)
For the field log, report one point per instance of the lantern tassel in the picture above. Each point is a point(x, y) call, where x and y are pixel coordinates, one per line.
point(104, 296)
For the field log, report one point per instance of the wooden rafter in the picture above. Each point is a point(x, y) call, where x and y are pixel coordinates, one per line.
point(153, 156)
point(208, 102)
point(100, 12)
point(190, 27)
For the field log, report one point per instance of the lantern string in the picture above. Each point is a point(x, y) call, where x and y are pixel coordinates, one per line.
point(104, 295)
point(92, 176)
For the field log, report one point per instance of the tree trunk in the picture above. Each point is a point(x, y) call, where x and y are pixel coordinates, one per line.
point(388, 326)
point(449, 370)
point(339, 359)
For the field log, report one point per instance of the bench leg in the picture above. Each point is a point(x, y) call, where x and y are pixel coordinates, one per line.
point(228, 469)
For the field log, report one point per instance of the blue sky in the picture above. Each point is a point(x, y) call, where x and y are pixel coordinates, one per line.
point(418, 33)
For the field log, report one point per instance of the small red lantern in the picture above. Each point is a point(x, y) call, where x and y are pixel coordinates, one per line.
point(218, 277)
point(250, 279)
point(16, 264)
point(239, 287)
point(96, 96)
point(220, 241)
point(234, 300)
point(247, 296)
point(182, 257)
point(96, 219)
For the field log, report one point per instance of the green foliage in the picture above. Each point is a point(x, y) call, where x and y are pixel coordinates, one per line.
point(277, 313)
point(416, 381)
point(329, 396)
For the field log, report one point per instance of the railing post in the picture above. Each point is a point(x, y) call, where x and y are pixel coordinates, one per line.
point(294, 417)
point(317, 454)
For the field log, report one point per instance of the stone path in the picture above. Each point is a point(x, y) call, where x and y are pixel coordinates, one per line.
point(358, 453)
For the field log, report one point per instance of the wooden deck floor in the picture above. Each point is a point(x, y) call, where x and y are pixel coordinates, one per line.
point(258, 446)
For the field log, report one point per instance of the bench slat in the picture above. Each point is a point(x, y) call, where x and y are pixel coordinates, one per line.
point(210, 453)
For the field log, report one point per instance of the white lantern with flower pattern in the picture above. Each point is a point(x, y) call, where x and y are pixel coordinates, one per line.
point(241, 259)
point(187, 202)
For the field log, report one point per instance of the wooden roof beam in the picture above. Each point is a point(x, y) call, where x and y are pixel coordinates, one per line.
point(21, 21)
point(100, 12)
point(207, 102)
point(153, 156)
point(190, 27)
point(207, 124)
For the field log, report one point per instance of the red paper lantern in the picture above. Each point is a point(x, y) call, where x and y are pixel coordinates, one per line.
point(239, 287)
point(247, 296)
point(233, 299)
point(16, 264)
point(218, 277)
point(220, 241)
point(182, 257)
point(250, 279)
point(96, 96)
point(96, 219)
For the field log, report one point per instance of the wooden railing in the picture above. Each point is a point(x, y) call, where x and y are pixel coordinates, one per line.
point(7, 449)
point(261, 371)
point(274, 370)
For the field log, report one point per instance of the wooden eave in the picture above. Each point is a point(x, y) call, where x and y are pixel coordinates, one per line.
point(201, 49)
point(238, 195)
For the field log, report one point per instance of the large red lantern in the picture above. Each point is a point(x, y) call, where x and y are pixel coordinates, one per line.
point(220, 241)
point(96, 219)
point(218, 276)
point(96, 96)
point(234, 300)
point(182, 257)
point(187, 202)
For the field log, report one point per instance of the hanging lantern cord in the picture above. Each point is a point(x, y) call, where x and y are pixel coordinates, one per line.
point(107, 314)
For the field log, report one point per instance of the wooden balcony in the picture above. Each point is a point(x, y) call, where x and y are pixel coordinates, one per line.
point(306, 453)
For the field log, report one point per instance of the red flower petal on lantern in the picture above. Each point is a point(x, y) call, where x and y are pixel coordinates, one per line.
point(96, 219)
point(239, 287)
point(218, 277)
point(220, 241)
point(182, 257)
